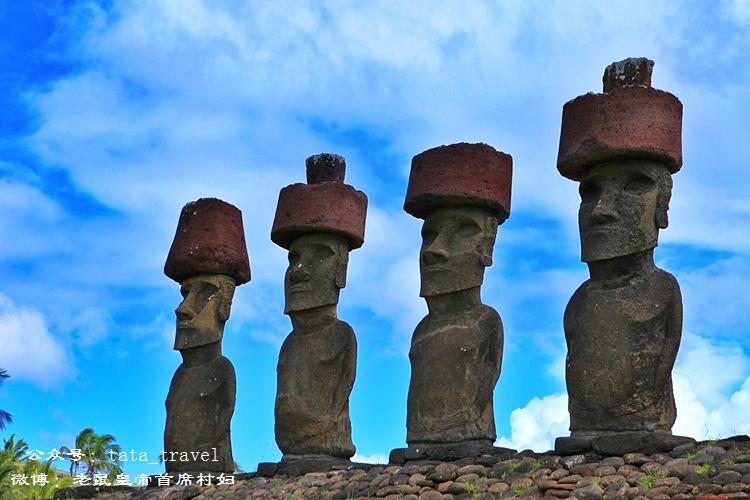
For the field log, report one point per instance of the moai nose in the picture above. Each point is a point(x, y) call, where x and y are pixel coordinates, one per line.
point(184, 312)
point(434, 256)
point(298, 274)
point(604, 210)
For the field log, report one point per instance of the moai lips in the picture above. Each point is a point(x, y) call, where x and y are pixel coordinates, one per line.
point(623, 326)
point(462, 192)
point(209, 259)
point(629, 120)
point(318, 223)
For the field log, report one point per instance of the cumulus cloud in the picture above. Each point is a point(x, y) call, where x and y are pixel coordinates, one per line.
point(712, 394)
point(30, 352)
point(712, 389)
point(536, 425)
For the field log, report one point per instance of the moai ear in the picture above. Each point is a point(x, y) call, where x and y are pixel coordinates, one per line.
point(225, 307)
point(341, 266)
point(662, 200)
point(488, 243)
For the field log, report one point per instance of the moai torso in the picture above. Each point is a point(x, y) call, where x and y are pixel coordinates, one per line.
point(622, 342)
point(316, 373)
point(460, 354)
point(200, 405)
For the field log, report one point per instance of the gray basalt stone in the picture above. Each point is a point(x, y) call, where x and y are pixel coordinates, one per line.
point(623, 325)
point(317, 362)
point(201, 398)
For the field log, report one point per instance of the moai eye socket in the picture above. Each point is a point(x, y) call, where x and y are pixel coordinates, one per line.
point(293, 258)
point(589, 191)
point(467, 229)
point(639, 184)
point(428, 236)
point(323, 253)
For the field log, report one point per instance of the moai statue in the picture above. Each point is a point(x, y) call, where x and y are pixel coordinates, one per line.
point(623, 325)
point(209, 259)
point(462, 192)
point(319, 223)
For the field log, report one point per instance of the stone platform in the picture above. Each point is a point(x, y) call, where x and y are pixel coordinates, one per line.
point(718, 469)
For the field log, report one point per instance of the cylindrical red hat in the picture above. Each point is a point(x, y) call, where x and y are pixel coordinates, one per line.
point(459, 175)
point(324, 204)
point(210, 239)
point(629, 120)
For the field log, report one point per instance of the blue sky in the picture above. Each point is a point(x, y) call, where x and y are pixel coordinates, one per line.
point(113, 116)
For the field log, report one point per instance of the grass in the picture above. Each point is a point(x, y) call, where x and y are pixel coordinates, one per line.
point(513, 465)
point(276, 485)
point(649, 480)
point(728, 462)
point(518, 490)
point(703, 469)
point(472, 487)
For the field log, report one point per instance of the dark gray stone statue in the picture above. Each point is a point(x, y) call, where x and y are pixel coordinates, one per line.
point(456, 350)
point(318, 223)
point(317, 363)
point(623, 325)
point(209, 259)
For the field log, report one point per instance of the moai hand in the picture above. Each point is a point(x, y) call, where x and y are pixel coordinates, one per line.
point(318, 223)
point(209, 259)
point(622, 326)
point(462, 192)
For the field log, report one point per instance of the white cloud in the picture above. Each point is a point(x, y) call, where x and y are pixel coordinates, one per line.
point(536, 425)
point(375, 458)
point(711, 388)
point(30, 352)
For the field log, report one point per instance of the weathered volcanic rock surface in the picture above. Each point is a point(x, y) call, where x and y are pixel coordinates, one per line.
point(708, 469)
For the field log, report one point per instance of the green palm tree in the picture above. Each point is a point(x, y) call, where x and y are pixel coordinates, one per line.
point(5, 417)
point(11, 456)
point(98, 453)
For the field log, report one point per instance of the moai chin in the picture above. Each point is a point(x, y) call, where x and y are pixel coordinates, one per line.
point(209, 259)
point(462, 192)
point(623, 325)
point(319, 223)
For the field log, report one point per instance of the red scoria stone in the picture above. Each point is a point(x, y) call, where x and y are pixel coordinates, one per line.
point(627, 122)
point(324, 207)
point(210, 239)
point(460, 175)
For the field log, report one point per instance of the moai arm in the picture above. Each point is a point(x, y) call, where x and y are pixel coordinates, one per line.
point(673, 335)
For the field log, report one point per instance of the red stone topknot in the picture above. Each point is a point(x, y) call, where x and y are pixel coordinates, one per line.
point(459, 175)
point(324, 204)
point(630, 119)
point(209, 239)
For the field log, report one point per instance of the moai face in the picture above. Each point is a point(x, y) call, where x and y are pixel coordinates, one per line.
point(457, 245)
point(316, 272)
point(207, 300)
point(623, 206)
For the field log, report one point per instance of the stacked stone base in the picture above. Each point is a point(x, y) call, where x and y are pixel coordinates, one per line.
point(692, 470)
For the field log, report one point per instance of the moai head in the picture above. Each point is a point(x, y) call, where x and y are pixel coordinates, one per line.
point(209, 259)
point(622, 145)
point(462, 192)
point(319, 223)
